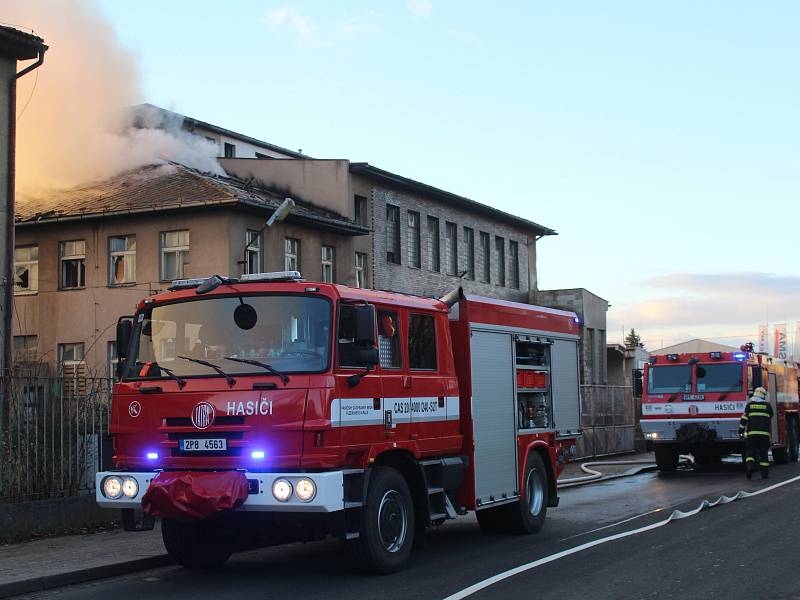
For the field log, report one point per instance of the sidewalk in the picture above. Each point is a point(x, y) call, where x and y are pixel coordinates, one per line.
point(66, 560)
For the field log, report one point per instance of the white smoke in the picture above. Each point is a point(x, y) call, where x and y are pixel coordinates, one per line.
point(73, 121)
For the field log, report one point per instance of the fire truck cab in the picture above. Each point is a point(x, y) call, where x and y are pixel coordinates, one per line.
point(270, 409)
point(692, 404)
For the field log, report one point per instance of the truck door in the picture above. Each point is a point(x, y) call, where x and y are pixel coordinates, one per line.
point(493, 416)
point(772, 395)
point(566, 390)
point(395, 382)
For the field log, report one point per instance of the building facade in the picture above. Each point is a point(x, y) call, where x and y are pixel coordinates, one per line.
point(85, 257)
point(424, 241)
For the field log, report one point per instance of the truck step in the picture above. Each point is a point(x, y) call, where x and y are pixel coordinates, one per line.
point(435, 490)
point(352, 535)
point(438, 516)
point(353, 505)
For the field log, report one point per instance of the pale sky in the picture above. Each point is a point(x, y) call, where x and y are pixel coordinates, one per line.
point(659, 140)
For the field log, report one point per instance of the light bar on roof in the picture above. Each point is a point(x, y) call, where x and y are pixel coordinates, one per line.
point(183, 284)
point(274, 276)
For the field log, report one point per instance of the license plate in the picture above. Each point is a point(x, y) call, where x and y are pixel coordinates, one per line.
point(204, 444)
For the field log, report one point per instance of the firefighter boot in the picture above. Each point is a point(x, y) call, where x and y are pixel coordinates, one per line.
point(749, 469)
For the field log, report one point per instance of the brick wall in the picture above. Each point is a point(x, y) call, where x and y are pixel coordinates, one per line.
point(422, 281)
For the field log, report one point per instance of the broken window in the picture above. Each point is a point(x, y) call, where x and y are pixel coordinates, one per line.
point(26, 270)
point(122, 260)
point(73, 264)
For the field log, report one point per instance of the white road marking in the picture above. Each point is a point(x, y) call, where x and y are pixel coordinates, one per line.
point(675, 516)
point(628, 520)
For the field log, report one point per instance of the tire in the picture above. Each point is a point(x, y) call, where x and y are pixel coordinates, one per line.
point(386, 532)
point(195, 545)
point(793, 440)
point(780, 456)
point(666, 458)
point(527, 516)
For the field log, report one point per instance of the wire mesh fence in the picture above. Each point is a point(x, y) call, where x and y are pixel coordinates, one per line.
point(53, 435)
point(608, 419)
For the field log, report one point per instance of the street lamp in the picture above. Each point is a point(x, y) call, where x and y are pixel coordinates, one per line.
point(279, 215)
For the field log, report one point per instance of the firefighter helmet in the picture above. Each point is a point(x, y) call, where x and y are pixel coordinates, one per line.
point(760, 392)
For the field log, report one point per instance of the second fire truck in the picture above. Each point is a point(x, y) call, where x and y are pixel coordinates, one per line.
point(692, 403)
point(270, 409)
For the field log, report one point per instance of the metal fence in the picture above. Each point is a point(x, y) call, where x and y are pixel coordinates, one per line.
point(53, 435)
point(608, 420)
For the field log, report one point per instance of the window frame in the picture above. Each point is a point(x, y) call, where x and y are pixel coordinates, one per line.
point(61, 346)
point(360, 211)
point(420, 315)
point(289, 255)
point(330, 262)
point(361, 269)
point(500, 248)
point(486, 252)
point(229, 150)
point(30, 290)
point(434, 245)
point(451, 248)
point(414, 239)
point(379, 310)
point(513, 250)
point(63, 258)
point(179, 250)
point(253, 240)
point(121, 253)
point(393, 244)
point(25, 348)
point(469, 241)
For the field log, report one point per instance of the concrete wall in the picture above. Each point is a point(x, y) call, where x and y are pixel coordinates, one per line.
point(422, 281)
point(324, 183)
point(7, 71)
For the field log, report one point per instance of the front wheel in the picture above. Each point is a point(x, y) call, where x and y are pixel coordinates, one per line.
point(195, 545)
point(792, 440)
point(386, 534)
point(666, 458)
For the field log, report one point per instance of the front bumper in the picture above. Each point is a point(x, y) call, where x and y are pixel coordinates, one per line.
point(666, 430)
point(328, 498)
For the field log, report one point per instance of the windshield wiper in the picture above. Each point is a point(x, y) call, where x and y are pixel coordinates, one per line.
point(231, 381)
point(284, 377)
point(171, 374)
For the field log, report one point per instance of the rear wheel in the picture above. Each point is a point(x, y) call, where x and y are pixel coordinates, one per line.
point(195, 545)
point(781, 455)
point(666, 458)
point(386, 534)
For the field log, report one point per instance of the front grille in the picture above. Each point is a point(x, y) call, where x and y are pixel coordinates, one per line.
point(217, 429)
point(187, 422)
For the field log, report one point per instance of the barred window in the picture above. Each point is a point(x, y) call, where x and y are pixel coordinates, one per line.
point(434, 262)
point(413, 240)
point(451, 248)
point(500, 246)
point(392, 234)
point(389, 340)
point(486, 258)
point(469, 242)
point(513, 251)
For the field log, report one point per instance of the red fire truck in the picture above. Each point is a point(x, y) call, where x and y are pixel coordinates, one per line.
point(268, 409)
point(692, 403)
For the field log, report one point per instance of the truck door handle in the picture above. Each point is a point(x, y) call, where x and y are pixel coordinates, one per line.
point(152, 389)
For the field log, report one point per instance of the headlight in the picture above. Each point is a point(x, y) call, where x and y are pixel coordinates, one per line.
point(305, 490)
point(282, 490)
point(652, 436)
point(112, 487)
point(130, 487)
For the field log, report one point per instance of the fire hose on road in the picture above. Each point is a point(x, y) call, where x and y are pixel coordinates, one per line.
point(595, 475)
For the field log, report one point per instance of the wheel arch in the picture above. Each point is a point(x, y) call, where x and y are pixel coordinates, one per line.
point(404, 462)
point(543, 450)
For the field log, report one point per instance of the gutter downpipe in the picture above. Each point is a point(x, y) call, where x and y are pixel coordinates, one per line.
point(8, 276)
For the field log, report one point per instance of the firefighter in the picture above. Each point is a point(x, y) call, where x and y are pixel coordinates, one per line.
point(755, 426)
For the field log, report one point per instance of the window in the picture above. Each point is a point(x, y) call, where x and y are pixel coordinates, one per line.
point(349, 355)
point(414, 259)
point(721, 377)
point(469, 241)
point(25, 348)
point(111, 354)
point(361, 270)
point(230, 150)
point(486, 258)
point(122, 260)
point(70, 354)
point(259, 155)
point(500, 246)
point(291, 254)
point(328, 264)
point(422, 342)
point(433, 244)
point(389, 340)
point(174, 254)
point(392, 234)
point(73, 264)
point(253, 259)
point(451, 248)
point(26, 270)
point(513, 251)
point(360, 210)
point(669, 379)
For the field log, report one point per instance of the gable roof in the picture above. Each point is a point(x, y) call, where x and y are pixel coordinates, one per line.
point(164, 188)
point(19, 44)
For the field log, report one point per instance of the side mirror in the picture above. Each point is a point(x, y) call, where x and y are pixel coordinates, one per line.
point(364, 315)
point(123, 340)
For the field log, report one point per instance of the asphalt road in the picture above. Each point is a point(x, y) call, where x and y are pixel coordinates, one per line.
point(741, 550)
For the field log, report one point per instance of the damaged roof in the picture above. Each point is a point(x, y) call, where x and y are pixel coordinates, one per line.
point(19, 44)
point(165, 188)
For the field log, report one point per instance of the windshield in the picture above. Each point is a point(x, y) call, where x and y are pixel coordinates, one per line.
point(669, 379)
point(719, 378)
point(290, 333)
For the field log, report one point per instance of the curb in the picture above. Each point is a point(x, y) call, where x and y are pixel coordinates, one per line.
point(46, 582)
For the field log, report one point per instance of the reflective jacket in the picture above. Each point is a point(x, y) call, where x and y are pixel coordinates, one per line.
point(756, 418)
